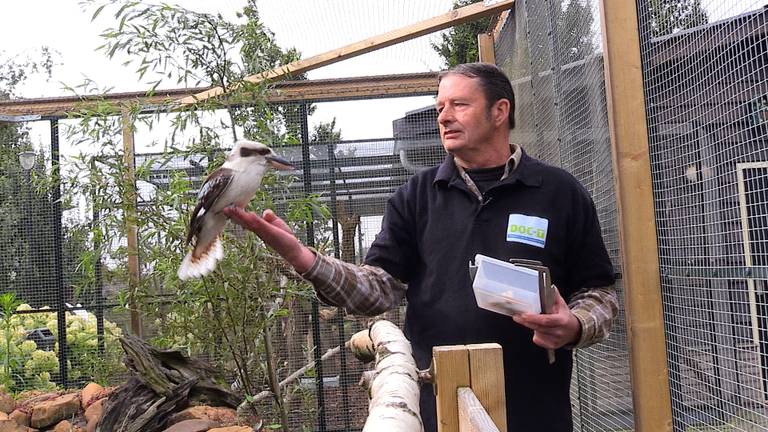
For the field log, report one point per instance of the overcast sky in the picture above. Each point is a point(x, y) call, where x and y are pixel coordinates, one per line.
point(311, 26)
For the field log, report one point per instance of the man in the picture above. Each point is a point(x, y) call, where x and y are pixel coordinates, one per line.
point(435, 224)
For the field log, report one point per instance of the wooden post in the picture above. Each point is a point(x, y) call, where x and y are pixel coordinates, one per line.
point(130, 215)
point(485, 48)
point(451, 369)
point(632, 174)
point(479, 368)
point(487, 377)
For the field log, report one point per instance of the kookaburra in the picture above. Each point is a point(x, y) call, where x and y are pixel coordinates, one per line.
point(234, 183)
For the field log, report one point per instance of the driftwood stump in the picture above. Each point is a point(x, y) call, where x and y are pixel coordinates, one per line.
point(163, 382)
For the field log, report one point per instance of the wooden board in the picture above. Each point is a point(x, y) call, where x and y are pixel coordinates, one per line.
point(472, 414)
point(485, 48)
point(451, 366)
point(458, 16)
point(487, 377)
point(322, 90)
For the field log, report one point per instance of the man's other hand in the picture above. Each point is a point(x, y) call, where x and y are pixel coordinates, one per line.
point(554, 330)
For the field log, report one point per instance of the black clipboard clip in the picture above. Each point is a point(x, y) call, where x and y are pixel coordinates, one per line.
point(546, 291)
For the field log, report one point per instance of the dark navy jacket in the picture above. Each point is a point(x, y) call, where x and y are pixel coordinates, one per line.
point(433, 225)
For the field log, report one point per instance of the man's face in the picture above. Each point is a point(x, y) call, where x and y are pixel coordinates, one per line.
point(464, 118)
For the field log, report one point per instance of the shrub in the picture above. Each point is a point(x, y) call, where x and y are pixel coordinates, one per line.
point(27, 366)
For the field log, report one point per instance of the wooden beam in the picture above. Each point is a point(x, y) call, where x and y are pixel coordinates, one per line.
point(451, 371)
point(458, 16)
point(500, 23)
point(485, 48)
point(472, 414)
point(486, 366)
point(130, 215)
point(639, 244)
point(285, 91)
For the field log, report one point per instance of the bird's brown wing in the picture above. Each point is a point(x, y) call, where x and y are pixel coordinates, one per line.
point(213, 187)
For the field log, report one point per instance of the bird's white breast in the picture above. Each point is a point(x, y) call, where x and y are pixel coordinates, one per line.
point(243, 186)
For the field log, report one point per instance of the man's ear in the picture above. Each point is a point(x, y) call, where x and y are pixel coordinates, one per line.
point(500, 111)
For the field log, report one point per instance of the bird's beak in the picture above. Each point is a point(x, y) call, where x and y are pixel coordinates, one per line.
point(279, 163)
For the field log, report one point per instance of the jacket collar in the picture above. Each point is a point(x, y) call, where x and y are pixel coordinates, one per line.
point(526, 171)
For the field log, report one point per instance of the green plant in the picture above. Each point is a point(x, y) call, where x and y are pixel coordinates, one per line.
point(29, 367)
point(230, 313)
point(8, 305)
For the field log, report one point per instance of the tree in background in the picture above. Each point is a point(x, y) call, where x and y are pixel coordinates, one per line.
point(575, 30)
point(669, 16)
point(459, 44)
point(232, 312)
point(26, 213)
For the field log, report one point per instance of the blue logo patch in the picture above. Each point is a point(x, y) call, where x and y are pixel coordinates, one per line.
point(530, 230)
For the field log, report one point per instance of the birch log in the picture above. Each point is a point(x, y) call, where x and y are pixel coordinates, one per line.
point(394, 387)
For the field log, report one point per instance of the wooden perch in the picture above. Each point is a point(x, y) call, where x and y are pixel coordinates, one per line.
point(393, 385)
point(292, 377)
point(362, 347)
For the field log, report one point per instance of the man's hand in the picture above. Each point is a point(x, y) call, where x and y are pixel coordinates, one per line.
point(554, 330)
point(276, 234)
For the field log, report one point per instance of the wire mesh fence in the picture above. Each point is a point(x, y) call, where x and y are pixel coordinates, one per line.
point(704, 66)
point(351, 179)
point(552, 52)
point(62, 249)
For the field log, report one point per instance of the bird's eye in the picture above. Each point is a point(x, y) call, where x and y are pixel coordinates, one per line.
point(247, 152)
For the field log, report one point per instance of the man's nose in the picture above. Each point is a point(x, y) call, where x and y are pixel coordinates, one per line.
point(445, 116)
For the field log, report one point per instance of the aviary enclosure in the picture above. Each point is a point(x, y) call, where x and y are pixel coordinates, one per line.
point(659, 107)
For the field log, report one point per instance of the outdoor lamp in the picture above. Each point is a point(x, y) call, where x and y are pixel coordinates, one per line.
point(27, 159)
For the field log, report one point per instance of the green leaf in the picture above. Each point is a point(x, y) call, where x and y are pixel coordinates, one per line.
point(98, 11)
point(122, 9)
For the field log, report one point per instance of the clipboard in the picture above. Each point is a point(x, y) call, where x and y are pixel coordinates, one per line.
point(546, 292)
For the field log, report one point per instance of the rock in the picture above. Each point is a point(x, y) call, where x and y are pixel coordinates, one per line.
point(86, 396)
point(4, 416)
point(192, 426)
point(53, 411)
point(20, 417)
point(221, 415)
point(12, 426)
point(31, 398)
point(63, 426)
point(232, 429)
point(91, 427)
point(93, 413)
point(7, 404)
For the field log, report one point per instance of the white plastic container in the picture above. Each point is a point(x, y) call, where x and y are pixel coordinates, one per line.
point(505, 288)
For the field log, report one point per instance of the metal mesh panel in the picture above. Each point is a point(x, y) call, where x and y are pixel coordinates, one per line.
point(56, 330)
point(704, 66)
point(353, 178)
point(552, 53)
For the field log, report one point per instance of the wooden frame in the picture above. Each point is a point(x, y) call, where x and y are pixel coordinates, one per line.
point(455, 17)
point(324, 90)
point(485, 48)
point(637, 222)
point(131, 228)
point(469, 388)
point(748, 262)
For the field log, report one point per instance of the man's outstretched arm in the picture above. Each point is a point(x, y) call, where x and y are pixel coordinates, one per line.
point(361, 290)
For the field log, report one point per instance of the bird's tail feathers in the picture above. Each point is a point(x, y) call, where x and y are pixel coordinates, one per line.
point(196, 265)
